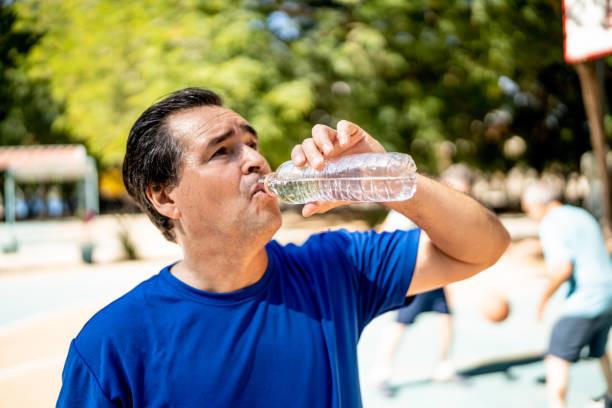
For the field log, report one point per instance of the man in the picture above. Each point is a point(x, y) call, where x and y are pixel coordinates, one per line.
point(241, 321)
point(574, 251)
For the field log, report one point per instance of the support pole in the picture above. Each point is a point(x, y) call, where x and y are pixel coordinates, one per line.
point(9, 211)
point(593, 104)
point(92, 202)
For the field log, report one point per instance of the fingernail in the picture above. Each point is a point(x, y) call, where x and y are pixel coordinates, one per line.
point(327, 148)
point(350, 128)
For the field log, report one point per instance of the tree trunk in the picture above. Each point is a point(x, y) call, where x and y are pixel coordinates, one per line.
point(593, 103)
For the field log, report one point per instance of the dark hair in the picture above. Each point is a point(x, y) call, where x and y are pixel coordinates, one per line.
point(153, 156)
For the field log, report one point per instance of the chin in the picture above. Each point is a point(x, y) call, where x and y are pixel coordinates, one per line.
point(264, 219)
point(273, 222)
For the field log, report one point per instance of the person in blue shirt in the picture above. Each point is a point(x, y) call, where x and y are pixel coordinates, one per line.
point(575, 252)
point(241, 321)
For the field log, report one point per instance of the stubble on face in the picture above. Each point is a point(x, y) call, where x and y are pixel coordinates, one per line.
point(214, 194)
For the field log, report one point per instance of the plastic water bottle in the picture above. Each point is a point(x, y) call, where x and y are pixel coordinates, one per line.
point(367, 177)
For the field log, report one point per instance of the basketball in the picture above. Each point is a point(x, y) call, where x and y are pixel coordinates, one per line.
point(495, 307)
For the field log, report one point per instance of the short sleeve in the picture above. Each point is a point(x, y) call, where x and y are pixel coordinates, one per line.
point(554, 248)
point(384, 263)
point(80, 388)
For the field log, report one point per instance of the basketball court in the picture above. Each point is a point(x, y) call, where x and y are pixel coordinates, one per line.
point(48, 294)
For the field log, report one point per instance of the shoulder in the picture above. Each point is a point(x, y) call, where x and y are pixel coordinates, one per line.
point(556, 219)
point(324, 247)
point(567, 218)
point(117, 322)
point(330, 241)
point(322, 241)
point(108, 348)
point(581, 214)
point(570, 212)
point(331, 244)
point(342, 237)
point(318, 249)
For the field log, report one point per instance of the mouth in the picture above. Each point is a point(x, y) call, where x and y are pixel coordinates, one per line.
point(258, 188)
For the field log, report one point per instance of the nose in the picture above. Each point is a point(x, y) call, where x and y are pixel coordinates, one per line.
point(253, 162)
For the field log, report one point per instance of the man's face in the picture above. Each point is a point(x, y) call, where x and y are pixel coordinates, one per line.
point(217, 195)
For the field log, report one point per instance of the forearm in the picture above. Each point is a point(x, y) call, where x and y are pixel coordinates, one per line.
point(456, 224)
point(557, 277)
point(551, 288)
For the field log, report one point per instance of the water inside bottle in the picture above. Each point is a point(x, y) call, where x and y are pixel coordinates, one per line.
point(357, 178)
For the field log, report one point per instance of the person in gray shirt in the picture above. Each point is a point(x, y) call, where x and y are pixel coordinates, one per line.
point(575, 251)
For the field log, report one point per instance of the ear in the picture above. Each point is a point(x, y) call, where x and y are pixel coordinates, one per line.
point(162, 199)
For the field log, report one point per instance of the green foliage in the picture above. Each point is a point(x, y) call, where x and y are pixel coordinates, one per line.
point(27, 112)
point(413, 73)
point(110, 69)
point(422, 72)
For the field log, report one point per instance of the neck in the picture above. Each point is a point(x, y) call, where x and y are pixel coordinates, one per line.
point(552, 205)
point(222, 266)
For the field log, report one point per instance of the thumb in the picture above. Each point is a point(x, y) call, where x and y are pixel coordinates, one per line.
point(320, 207)
point(309, 209)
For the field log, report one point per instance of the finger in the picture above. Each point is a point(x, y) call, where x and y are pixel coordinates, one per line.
point(320, 207)
point(324, 137)
point(309, 209)
point(317, 207)
point(313, 155)
point(298, 156)
point(349, 133)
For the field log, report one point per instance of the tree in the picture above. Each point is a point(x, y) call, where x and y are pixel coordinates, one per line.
point(110, 69)
point(27, 111)
point(432, 77)
point(421, 73)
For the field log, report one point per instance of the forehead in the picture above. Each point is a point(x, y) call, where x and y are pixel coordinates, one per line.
point(204, 121)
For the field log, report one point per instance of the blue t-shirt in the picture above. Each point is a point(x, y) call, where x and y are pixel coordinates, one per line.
point(289, 340)
point(571, 234)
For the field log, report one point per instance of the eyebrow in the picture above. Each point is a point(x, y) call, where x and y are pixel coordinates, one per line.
point(221, 138)
point(248, 128)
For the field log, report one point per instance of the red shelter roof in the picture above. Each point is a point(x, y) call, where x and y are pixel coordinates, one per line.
point(44, 162)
